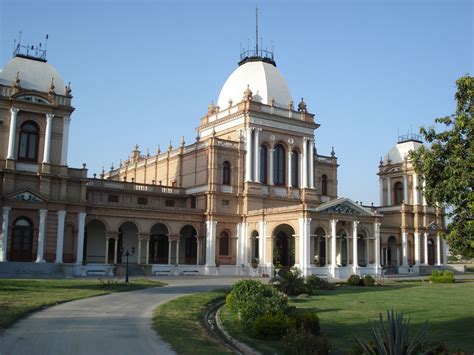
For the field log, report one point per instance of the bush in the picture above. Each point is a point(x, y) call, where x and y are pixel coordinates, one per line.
point(271, 326)
point(250, 299)
point(302, 342)
point(305, 319)
point(369, 280)
point(442, 277)
point(314, 283)
point(289, 282)
point(354, 280)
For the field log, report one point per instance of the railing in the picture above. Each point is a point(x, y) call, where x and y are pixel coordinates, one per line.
point(130, 186)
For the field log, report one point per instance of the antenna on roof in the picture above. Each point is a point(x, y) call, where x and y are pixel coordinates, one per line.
point(256, 31)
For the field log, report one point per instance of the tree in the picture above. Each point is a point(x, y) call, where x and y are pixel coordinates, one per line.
point(447, 166)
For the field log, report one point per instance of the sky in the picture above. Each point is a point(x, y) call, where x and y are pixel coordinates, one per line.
point(143, 72)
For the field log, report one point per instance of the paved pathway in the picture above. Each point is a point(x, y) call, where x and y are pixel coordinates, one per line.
point(118, 323)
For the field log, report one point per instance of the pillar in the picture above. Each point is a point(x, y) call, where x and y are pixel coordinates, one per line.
point(139, 251)
point(377, 246)
point(147, 256)
point(256, 156)
point(12, 137)
point(262, 232)
point(326, 247)
point(116, 251)
point(416, 200)
point(425, 244)
point(304, 235)
point(417, 248)
point(106, 259)
point(47, 138)
point(389, 192)
point(4, 235)
point(311, 163)
point(211, 227)
point(198, 251)
point(177, 250)
point(355, 260)
point(438, 249)
point(405, 188)
point(445, 251)
point(248, 156)
point(304, 164)
point(270, 166)
point(60, 236)
point(288, 171)
point(169, 250)
point(404, 249)
point(423, 193)
point(81, 219)
point(381, 191)
point(41, 235)
point(333, 245)
point(65, 142)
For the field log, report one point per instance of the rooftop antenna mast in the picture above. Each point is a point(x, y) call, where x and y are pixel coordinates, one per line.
point(256, 31)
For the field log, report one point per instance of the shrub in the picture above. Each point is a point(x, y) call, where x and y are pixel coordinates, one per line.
point(301, 342)
point(271, 326)
point(353, 280)
point(438, 276)
point(305, 319)
point(369, 280)
point(436, 273)
point(314, 283)
point(289, 282)
point(251, 298)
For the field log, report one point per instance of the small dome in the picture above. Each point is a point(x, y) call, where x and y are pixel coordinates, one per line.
point(33, 74)
point(398, 153)
point(263, 79)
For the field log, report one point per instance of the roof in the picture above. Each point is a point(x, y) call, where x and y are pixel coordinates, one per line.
point(398, 153)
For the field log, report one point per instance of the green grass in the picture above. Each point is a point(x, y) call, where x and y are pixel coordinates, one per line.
point(19, 297)
point(180, 322)
point(346, 310)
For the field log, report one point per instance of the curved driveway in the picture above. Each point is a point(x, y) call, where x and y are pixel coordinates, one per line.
point(119, 323)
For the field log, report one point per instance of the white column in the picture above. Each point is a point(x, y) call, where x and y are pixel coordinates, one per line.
point(60, 236)
point(304, 164)
point(304, 235)
point(326, 247)
point(248, 155)
point(355, 261)
point(377, 247)
point(438, 248)
point(416, 200)
point(311, 163)
point(177, 251)
point(116, 251)
point(256, 155)
point(169, 250)
point(4, 235)
point(381, 191)
point(288, 171)
point(81, 221)
point(47, 139)
point(270, 166)
point(106, 259)
point(139, 252)
point(41, 235)
point(211, 227)
point(389, 191)
point(198, 252)
point(241, 244)
point(425, 242)
point(404, 249)
point(333, 245)
point(417, 248)
point(445, 251)
point(405, 188)
point(262, 232)
point(65, 143)
point(147, 256)
point(423, 193)
point(12, 138)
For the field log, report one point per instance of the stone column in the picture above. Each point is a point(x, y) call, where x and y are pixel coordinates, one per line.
point(333, 245)
point(248, 156)
point(381, 191)
point(106, 259)
point(304, 235)
point(169, 249)
point(139, 251)
point(65, 143)
point(444, 249)
point(116, 251)
point(270, 166)
point(41, 235)
point(262, 232)
point(211, 227)
point(256, 155)
point(423, 193)
point(438, 249)
point(355, 261)
point(405, 188)
point(289, 182)
point(177, 250)
point(81, 219)
point(147, 256)
point(425, 244)
point(47, 138)
point(377, 247)
point(416, 200)
point(198, 251)
point(311, 163)
point(389, 191)
point(12, 137)
point(404, 249)
point(417, 248)
point(304, 164)
point(4, 235)
point(60, 237)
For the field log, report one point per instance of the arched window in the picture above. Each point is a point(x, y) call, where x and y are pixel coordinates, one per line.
point(226, 173)
point(324, 185)
point(398, 191)
point(279, 165)
point(224, 244)
point(263, 164)
point(22, 240)
point(255, 245)
point(28, 144)
point(294, 168)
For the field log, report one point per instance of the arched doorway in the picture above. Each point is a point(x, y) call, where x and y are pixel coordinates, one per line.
point(362, 257)
point(159, 248)
point(188, 245)
point(392, 251)
point(431, 252)
point(319, 247)
point(22, 240)
point(255, 248)
point(69, 250)
point(284, 246)
point(94, 242)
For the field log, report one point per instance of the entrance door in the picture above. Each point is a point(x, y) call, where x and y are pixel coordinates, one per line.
point(22, 240)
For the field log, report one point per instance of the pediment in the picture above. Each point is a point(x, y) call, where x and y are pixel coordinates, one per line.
point(32, 97)
point(344, 206)
point(26, 196)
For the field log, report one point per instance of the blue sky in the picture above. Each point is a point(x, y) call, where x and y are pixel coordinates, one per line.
point(143, 72)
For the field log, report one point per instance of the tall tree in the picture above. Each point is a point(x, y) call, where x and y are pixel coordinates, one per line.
point(447, 165)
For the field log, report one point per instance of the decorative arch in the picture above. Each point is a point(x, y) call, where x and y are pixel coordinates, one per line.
point(283, 246)
point(319, 246)
point(158, 245)
point(188, 245)
point(22, 240)
point(28, 142)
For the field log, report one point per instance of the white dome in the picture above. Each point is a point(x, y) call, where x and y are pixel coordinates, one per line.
point(265, 81)
point(34, 75)
point(398, 152)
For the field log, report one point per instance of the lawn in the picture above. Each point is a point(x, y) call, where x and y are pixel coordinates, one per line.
point(19, 297)
point(180, 322)
point(449, 308)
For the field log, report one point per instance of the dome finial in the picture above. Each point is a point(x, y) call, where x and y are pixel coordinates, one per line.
point(211, 109)
point(16, 83)
point(51, 88)
point(68, 89)
point(248, 94)
point(302, 106)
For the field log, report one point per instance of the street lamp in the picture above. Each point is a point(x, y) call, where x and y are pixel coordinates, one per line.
point(127, 254)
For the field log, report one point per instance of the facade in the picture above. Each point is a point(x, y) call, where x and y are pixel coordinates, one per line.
point(250, 194)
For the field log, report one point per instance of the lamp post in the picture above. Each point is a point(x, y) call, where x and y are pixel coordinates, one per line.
point(127, 254)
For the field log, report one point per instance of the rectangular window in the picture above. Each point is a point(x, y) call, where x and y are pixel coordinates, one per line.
point(225, 202)
point(142, 201)
point(113, 198)
point(169, 203)
point(193, 201)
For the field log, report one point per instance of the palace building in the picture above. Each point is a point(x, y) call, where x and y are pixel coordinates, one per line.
point(251, 194)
